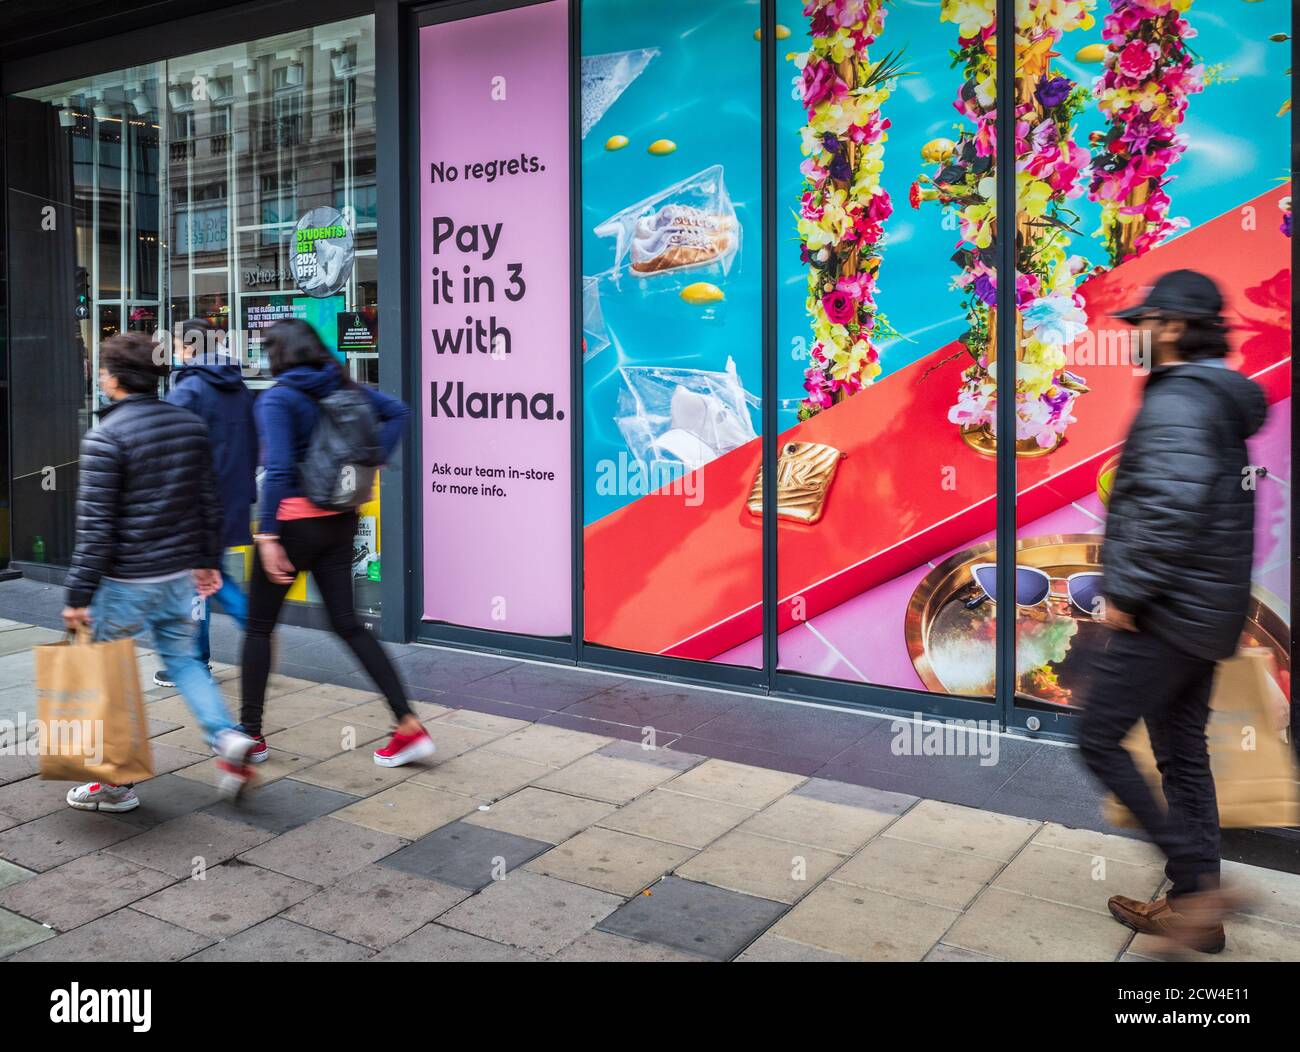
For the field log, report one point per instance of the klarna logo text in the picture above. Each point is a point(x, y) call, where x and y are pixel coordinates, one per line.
point(76, 1005)
point(450, 399)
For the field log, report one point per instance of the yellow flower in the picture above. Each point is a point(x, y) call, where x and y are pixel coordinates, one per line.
point(814, 235)
point(847, 364)
point(970, 15)
point(977, 223)
point(1033, 194)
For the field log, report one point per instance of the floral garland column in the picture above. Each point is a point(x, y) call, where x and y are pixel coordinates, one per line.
point(843, 205)
point(1150, 72)
point(1048, 167)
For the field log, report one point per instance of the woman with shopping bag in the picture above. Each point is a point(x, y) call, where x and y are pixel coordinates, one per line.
point(148, 546)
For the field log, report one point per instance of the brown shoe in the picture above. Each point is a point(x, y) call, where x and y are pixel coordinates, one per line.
point(1196, 923)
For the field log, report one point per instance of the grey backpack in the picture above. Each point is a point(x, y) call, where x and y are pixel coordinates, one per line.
point(344, 454)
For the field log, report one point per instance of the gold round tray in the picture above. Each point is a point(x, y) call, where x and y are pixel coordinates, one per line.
point(984, 442)
point(954, 648)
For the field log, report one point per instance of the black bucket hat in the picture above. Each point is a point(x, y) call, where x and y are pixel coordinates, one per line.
point(1181, 294)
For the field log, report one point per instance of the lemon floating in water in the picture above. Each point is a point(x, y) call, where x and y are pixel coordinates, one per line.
point(660, 147)
point(616, 142)
point(782, 32)
point(1091, 53)
point(702, 292)
point(937, 151)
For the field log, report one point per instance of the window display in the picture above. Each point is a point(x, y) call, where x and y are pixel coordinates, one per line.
point(672, 373)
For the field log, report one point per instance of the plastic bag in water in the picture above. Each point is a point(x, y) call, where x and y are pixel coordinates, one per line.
point(684, 417)
point(606, 77)
point(595, 336)
point(688, 226)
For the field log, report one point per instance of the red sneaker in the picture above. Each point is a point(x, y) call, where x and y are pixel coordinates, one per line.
point(405, 748)
point(259, 752)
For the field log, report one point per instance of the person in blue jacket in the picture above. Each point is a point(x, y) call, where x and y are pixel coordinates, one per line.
point(296, 536)
point(209, 384)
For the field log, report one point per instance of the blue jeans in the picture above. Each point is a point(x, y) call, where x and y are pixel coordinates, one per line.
point(168, 613)
point(230, 597)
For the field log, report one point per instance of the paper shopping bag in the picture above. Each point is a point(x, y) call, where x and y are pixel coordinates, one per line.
point(91, 722)
point(1255, 776)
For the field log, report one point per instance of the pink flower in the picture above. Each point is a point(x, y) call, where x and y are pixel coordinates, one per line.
point(1137, 60)
point(839, 307)
point(820, 82)
point(880, 207)
point(819, 392)
point(859, 286)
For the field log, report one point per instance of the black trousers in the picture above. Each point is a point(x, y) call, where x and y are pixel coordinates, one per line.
point(323, 547)
point(1139, 676)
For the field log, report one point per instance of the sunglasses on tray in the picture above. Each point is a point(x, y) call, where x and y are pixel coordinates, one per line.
point(1034, 586)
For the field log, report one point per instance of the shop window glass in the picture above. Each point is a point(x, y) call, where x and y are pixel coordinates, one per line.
point(177, 188)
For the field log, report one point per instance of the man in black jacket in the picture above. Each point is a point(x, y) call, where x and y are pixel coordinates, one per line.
point(1176, 582)
point(148, 545)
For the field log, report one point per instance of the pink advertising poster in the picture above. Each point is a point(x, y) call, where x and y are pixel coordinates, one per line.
point(495, 326)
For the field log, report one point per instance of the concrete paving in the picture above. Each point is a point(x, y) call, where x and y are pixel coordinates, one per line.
point(522, 840)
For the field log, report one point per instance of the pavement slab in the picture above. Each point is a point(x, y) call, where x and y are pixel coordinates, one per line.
point(466, 856)
point(376, 906)
point(434, 942)
point(49, 842)
point(82, 890)
point(760, 866)
point(607, 860)
point(278, 939)
point(283, 805)
point(532, 912)
point(408, 810)
point(189, 843)
point(541, 814)
point(124, 936)
point(865, 925)
point(323, 851)
point(225, 899)
point(694, 918)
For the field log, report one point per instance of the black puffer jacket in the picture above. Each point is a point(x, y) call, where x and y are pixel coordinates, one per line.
point(1181, 526)
point(146, 504)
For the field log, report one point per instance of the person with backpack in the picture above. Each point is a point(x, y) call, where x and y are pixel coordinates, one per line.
point(323, 438)
point(148, 539)
point(1176, 567)
point(211, 387)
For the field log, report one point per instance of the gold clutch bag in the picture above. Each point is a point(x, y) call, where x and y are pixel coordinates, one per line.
point(804, 471)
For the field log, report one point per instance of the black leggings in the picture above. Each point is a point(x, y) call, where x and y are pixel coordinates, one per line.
point(323, 547)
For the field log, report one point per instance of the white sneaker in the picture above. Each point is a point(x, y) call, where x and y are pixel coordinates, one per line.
point(234, 773)
point(99, 796)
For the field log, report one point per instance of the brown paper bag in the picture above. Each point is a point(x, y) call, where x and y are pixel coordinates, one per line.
point(1255, 776)
point(91, 722)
